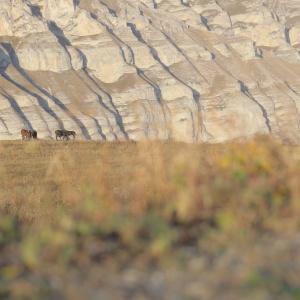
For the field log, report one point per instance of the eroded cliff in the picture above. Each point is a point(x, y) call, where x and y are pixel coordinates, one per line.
point(189, 70)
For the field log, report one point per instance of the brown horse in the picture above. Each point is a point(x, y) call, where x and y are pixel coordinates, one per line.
point(28, 134)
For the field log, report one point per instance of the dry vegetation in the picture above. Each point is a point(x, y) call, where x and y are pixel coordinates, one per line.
point(149, 220)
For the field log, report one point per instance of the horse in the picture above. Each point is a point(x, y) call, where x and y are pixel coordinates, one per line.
point(64, 134)
point(28, 134)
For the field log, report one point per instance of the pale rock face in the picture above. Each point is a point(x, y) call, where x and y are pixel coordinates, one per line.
point(16, 19)
point(84, 25)
point(244, 48)
point(106, 63)
point(47, 54)
point(6, 22)
point(268, 35)
point(168, 55)
point(62, 11)
point(223, 49)
point(143, 57)
point(193, 71)
point(294, 35)
point(172, 91)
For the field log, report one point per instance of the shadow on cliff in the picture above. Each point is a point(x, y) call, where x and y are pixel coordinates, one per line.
point(110, 10)
point(76, 3)
point(35, 10)
point(65, 43)
point(242, 85)
point(17, 109)
point(139, 71)
point(155, 55)
point(179, 50)
point(42, 102)
point(245, 90)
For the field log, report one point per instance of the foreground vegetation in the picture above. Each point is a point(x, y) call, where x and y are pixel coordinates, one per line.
point(149, 220)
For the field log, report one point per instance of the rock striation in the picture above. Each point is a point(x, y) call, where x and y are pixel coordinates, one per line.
point(188, 70)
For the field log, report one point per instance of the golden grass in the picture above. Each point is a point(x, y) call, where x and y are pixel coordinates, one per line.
point(103, 207)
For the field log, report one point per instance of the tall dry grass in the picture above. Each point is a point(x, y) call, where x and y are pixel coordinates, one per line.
point(72, 211)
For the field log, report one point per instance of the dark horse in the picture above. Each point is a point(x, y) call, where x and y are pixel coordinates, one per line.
point(28, 134)
point(64, 134)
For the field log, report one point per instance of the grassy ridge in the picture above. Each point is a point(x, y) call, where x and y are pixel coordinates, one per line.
point(79, 219)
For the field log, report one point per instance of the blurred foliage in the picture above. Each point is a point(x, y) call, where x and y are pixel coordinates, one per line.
point(70, 209)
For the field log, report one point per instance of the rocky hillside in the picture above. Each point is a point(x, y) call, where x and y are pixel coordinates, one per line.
point(190, 70)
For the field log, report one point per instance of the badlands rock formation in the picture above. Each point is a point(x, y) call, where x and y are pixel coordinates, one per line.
point(189, 70)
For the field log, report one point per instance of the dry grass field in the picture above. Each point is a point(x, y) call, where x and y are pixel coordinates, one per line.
point(153, 220)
